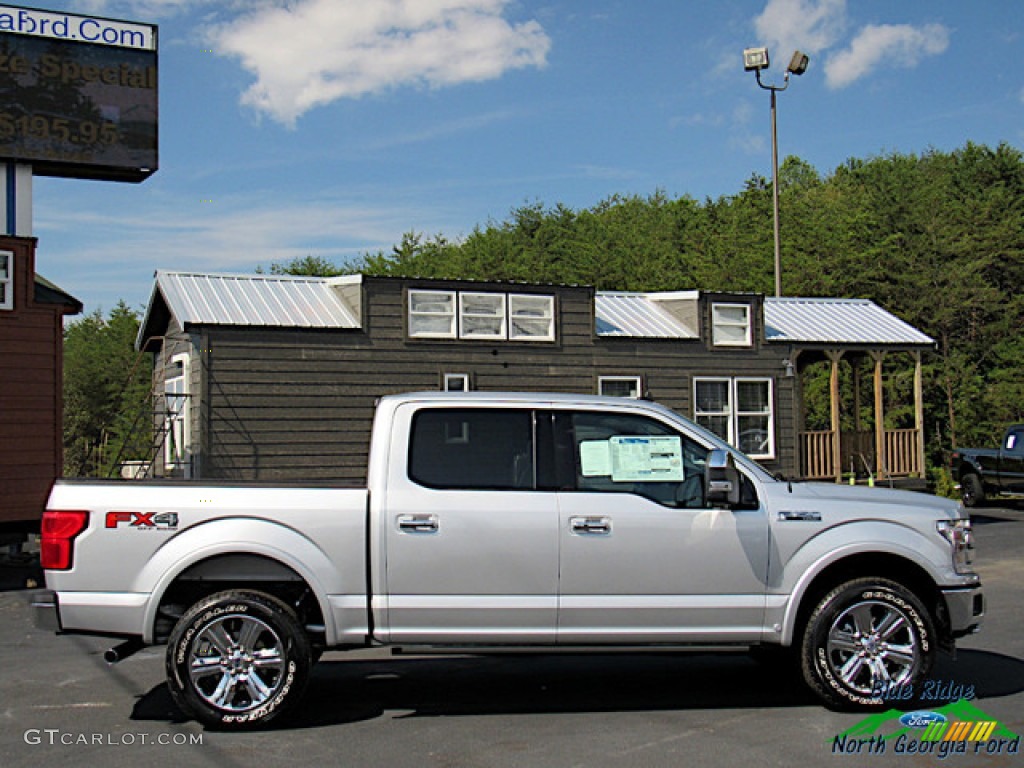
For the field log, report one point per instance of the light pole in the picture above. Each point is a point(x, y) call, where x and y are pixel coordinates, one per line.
point(756, 59)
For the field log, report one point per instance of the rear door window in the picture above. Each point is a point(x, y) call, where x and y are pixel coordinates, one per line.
point(467, 448)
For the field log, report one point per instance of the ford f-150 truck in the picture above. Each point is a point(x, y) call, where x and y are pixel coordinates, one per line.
point(986, 472)
point(507, 521)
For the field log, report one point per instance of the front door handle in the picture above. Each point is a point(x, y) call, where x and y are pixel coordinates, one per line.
point(591, 525)
point(418, 523)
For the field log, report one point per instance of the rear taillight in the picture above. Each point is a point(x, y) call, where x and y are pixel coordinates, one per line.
point(59, 529)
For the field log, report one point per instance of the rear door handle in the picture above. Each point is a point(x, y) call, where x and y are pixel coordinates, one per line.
point(591, 525)
point(418, 523)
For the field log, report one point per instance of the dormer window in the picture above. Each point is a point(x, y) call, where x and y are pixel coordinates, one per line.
point(480, 316)
point(432, 314)
point(730, 325)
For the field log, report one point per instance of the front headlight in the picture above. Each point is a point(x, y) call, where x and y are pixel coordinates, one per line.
point(961, 538)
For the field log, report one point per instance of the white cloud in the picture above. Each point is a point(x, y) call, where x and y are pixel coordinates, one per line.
point(312, 52)
point(137, 10)
point(900, 44)
point(810, 26)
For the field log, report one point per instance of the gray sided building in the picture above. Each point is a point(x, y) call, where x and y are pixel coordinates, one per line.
point(275, 378)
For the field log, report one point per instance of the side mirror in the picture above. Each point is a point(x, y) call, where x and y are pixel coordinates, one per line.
point(722, 480)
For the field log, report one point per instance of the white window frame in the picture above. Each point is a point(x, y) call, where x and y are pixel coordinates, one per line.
point(536, 311)
point(514, 312)
point(499, 303)
point(733, 413)
point(177, 425)
point(637, 381)
point(413, 314)
point(718, 322)
point(7, 280)
point(449, 379)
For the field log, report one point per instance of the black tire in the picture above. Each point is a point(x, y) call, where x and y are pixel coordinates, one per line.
point(867, 642)
point(972, 491)
point(257, 654)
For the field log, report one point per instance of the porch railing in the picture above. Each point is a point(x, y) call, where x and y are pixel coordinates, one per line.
point(819, 462)
point(901, 452)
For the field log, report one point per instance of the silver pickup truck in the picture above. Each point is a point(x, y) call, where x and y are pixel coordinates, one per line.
point(498, 521)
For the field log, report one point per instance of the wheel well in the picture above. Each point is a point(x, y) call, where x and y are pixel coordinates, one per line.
point(886, 566)
point(236, 571)
point(966, 468)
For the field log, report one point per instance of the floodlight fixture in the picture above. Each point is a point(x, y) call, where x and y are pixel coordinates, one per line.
point(755, 59)
point(798, 64)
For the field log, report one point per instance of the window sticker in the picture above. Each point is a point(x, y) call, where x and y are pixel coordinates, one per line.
point(633, 459)
point(595, 458)
point(646, 458)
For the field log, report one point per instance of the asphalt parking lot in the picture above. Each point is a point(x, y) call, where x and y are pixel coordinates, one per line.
point(61, 704)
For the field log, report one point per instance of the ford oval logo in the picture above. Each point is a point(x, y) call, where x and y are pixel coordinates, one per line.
point(921, 719)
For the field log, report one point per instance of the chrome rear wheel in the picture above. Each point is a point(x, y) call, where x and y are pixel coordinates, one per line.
point(238, 659)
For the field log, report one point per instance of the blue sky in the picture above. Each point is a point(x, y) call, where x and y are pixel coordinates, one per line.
point(331, 127)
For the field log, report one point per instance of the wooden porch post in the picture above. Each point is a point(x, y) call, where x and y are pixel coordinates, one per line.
point(880, 458)
point(835, 355)
point(856, 398)
point(919, 411)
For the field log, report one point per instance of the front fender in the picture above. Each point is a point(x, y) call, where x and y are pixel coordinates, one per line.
point(239, 535)
point(868, 537)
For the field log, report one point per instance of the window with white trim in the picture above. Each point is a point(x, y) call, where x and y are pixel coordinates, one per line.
point(738, 410)
point(619, 386)
point(176, 414)
point(456, 382)
point(474, 315)
point(482, 315)
point(6, 280)
point(432, 314)
point(730, 325)
point(531, 317)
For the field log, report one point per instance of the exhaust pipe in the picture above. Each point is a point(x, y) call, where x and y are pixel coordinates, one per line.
point(121, 652)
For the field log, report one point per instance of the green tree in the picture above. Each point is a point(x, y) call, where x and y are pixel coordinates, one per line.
point(107, 408)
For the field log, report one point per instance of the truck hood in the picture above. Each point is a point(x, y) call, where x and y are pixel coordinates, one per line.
point(908, 500)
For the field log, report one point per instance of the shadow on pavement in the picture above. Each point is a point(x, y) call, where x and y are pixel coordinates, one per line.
point(347, 691)
point(20, 572)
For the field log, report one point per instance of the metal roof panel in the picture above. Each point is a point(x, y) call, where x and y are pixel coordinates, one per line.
point(636, 315)
point(266, 300)
point(836, 321)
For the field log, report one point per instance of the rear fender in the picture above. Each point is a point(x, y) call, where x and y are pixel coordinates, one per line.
point(239, 536)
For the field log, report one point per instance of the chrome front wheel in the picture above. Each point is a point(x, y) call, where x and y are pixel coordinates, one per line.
point(872, 644)
point(867, 641)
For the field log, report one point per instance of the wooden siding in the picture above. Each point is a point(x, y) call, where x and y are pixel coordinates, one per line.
point(278, 404)
point(31, 443)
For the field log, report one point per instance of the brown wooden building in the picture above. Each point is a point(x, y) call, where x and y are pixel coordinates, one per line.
point(32, 312)
point(270, 377)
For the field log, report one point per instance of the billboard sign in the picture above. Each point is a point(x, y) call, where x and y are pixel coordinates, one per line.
point(78, 94)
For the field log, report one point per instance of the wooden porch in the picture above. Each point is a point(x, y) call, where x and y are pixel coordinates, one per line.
point(879, 452)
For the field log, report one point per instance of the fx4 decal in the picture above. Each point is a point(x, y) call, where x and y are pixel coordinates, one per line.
point(167, 521)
